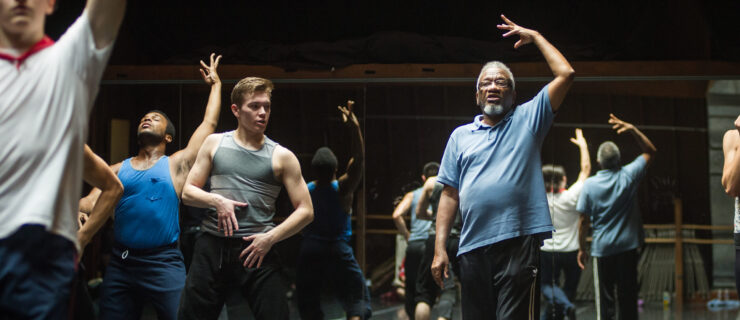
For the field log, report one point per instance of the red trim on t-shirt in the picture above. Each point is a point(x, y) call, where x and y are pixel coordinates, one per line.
point(44, 43)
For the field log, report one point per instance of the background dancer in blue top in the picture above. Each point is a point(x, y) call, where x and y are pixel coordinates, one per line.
point(491, 169)
point(325, 252)
point(47, 91)
point(416, 237)
point(146, 266)
point(609, 199)
point(247, 171)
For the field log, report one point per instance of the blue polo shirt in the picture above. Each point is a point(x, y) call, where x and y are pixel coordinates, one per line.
point(610, 199)
point(498, 174)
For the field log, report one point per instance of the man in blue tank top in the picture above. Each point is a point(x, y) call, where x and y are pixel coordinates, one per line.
point(325, 251)
point(491, 173)
point(247, 171)
point(416, 237)
point(146, 266)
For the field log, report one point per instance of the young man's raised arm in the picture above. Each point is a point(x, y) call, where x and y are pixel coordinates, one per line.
point(448, 204)
point(561, 69)
point(349, 181)
point(401, 210)
point(289, 172)
point(184, 158)
point(105, 18)
point(98, 174)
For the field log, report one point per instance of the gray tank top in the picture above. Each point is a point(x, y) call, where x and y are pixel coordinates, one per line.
point(247, 176)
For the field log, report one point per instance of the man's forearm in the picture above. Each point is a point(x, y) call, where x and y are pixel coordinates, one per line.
point(297, 220)
point(585, 162)
point(401, 226)
point(197, 197)
point(445, 217)
point(213, 108)
point(557, 62)
point(101, 211)
point(645, 144)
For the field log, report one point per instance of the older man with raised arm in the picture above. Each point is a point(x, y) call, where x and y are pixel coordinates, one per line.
point(47, 91)
point(491, 170)
point(609, 199)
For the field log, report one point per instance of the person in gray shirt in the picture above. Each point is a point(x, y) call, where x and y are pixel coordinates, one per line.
point(247, 170)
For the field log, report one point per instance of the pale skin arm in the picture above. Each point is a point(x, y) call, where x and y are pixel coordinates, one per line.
point(98, 174)
point(648, 149)
point(183, 160)
point(422, 208)
point(561, 69)
point(350, 180)
point(584, 227)
point(194, 195)
point(731, 168)
point(448, 203)
point(580, 141)
point(288, 171)
point(88, 202)
point(401, 210)
point(105, 18)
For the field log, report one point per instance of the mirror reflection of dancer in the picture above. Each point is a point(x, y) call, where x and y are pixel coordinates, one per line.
point(325, 252)
point(427, 289)
point(416, 237)
point(146, 266)
point(247, 170)
point(731, 183)
point(47, 91)
point(491, 168)
point(560, 253)
point(609, 199)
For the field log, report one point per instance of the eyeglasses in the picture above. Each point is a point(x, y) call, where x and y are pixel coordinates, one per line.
point(499, 82)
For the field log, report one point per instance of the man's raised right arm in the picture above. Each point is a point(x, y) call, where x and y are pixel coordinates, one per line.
point(647, 147)
point(105, 19)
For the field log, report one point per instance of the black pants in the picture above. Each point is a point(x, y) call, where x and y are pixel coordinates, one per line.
point(426, 289)
point(414, 252)
point(216, 271)
point(321, 260)
point(501, 280)
point(616, 285)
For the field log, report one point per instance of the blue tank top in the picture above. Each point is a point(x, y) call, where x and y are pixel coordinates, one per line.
point(147, 214)
point(419, 227)
point(330, 222)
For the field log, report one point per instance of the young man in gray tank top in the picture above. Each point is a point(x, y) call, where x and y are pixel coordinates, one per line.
point(247, 171)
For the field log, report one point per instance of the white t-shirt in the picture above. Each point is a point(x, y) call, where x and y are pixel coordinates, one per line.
point(45, 102)
point(564, 219)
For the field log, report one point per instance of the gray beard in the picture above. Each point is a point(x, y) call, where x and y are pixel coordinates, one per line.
point(494, 110)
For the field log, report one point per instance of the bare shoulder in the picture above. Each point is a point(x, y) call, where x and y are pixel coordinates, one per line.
point(284, 160)
point(731, 139)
